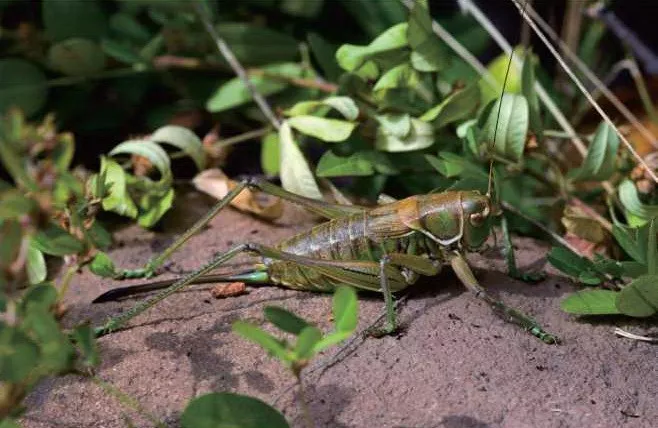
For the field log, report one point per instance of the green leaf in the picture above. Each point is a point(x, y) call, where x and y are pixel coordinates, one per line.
point(40, 296)
point(64, 19)
point(57, 353)
point(36, 265)
point(8, 422)
point(457, 106)
point(151, 151)
point(269, 154)
point(634, 269)
point(428, 51)
point(126, 25)
point(285, 320)
point(420, 137)
point(14, 204)
point(183, 139)
point(18, 354)
point(351, 57)
point(631, 201)
point(22, 85)
point(117, 200)
point(498, 69)
point(302, 8)
point(600, 162)
point(572, 264)
point(401, 76)
point(591, 302)
point(330, 130)
point(454, 163)
point(85, 341)
point(268, 342)
point(640, 297)
point(153, 207)
point(345, 309)
point(234, 93)
point(99, 237)
point(121, 51)
point(512, 127)
point(102, 265)
point(629, 243)
point(258, 45)
point(396, 124)
point(325, 54)
point(55, 241)
point(331, 165)
point(228, 410)
point(344, 105)
point(528, 90)
point(306, 341)
point(296, 176)
point(76, 57)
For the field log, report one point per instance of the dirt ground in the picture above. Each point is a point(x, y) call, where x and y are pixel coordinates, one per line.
point(454, 365)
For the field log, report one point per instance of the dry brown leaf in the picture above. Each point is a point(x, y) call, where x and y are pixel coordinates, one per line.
point(232, 289)
point(580, 224)
point(216, 184)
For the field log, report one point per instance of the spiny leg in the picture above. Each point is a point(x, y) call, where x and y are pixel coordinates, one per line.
point(360, 274)
point(322, 208)
point(465, 275)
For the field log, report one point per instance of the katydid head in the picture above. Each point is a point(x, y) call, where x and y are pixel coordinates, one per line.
point(479, 212)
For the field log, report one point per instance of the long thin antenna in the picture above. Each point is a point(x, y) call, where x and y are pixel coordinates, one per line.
point(500, 108)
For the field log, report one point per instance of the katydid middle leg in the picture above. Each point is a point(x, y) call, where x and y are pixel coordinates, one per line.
point(325, 209)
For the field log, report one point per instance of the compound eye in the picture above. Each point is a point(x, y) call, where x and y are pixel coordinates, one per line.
point(477, 219)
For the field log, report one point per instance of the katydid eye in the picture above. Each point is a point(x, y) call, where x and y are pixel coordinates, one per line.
point(477, 219)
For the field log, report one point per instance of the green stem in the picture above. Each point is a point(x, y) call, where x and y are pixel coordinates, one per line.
point(66, 280)
point(642, 91)
point(126, 400)
point(302, 402)
point(250, 135)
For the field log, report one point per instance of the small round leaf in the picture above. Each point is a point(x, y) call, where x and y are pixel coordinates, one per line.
point(227, 410)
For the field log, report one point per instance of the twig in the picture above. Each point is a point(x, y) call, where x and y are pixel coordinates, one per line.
point(236, 66)
point(642, 89)
point(250, 135)
point(295, 81)
point(582, 67)
point(582, 88)
point(624, 333)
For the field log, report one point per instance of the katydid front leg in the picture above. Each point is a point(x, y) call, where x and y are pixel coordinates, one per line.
point(465, 275)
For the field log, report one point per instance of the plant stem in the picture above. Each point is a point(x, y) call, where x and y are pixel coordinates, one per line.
point(295, 81)
point(642, 91)
point(66, 280)
point(228, 55)
point(302, 402)
point(126, 400)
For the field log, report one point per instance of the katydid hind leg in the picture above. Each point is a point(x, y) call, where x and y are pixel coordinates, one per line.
point(322, 208)
point(509, 314)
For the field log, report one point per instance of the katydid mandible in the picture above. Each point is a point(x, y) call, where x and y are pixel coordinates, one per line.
point(385, 249)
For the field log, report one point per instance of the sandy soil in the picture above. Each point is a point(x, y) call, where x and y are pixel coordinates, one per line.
point(454, 365)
